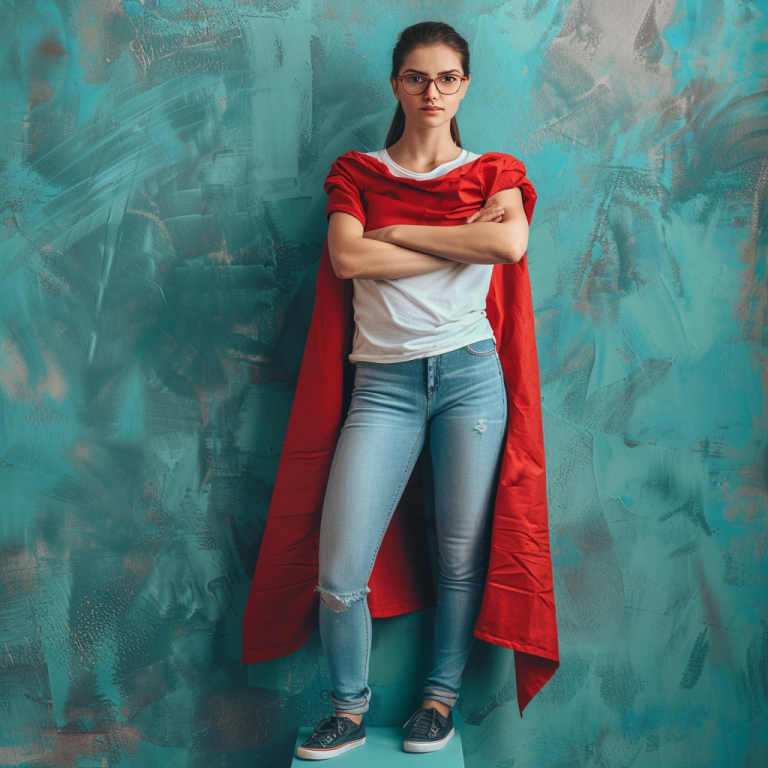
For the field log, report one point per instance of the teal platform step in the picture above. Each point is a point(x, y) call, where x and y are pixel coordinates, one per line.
point(383, 748)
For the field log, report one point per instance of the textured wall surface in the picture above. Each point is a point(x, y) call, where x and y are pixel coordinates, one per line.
point(162, 217)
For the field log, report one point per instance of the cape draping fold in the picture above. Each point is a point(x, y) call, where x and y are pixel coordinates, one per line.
point(518, 608)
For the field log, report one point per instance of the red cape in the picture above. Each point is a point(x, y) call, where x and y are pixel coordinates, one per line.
point(518, 609)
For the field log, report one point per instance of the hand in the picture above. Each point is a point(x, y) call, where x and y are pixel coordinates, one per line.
point(490, 211)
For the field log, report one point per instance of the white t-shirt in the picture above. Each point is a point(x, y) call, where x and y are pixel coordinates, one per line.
point(422, 315)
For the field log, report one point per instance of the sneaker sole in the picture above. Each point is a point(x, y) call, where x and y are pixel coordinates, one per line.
point(325, 754)
point(428, 746)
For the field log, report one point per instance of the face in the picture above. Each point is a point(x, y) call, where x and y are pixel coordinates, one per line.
point(434, 61)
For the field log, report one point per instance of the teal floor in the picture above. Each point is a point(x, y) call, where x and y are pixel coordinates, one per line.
point(383, 748)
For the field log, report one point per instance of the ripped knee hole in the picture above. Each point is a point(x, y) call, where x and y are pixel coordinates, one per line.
point(340, 603)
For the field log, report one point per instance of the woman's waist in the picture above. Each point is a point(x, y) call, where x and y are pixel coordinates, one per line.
point(382, 342)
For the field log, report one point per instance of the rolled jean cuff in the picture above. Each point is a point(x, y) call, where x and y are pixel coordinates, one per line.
point(439, 693)
point(354, 707)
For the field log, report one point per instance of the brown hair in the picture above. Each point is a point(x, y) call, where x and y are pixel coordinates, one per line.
point(422, 34)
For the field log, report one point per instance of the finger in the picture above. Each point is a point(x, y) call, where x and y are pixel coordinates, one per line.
point(486, 214)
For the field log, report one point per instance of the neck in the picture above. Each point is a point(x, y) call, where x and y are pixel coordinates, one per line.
point(422, 150)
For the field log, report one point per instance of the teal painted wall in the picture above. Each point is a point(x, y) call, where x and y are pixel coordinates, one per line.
point(162, 219)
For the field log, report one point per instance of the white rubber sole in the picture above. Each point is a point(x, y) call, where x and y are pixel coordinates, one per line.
point(325, 754)
point(432, 746)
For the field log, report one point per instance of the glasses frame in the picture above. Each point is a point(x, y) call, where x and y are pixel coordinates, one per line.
point(431, 80)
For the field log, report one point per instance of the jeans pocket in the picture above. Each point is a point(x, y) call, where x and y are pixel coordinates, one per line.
point(481, 348)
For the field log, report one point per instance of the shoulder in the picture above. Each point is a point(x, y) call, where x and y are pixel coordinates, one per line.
point(499, 170)
point(348, 164)
point(342, 171)
point(502, 160)
point(361, 169)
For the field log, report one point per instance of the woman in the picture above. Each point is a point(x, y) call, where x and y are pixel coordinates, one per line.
point(425, 364)
point(432, 313)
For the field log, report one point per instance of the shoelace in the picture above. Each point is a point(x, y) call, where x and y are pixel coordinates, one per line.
point(423, 723)
point(328, 728)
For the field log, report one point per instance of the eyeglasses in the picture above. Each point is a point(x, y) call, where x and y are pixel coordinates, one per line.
point(446, 84)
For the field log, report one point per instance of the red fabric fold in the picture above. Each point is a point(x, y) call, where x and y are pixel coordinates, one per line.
point(518, 609)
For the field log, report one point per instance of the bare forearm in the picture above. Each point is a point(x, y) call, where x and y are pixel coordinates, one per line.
point(484, 242)
point(378, 260)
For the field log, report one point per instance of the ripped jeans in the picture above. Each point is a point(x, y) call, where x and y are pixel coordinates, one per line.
point(459, 396)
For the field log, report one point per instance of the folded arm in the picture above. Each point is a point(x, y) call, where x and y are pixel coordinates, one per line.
point(494, 234)
point(478, 242)
point(353, 255)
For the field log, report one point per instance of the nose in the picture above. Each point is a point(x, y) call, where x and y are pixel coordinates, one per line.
point(430, 92)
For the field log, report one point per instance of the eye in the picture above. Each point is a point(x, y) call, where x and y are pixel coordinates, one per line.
point(414, 78)
point(448, 78)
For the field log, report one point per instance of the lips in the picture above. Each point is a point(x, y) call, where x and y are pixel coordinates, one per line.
point(431, 109)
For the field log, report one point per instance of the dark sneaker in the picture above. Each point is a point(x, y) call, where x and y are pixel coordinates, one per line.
point(430, 731)
point(332, 736)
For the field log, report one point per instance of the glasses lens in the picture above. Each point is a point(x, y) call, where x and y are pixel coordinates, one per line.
point(446, 84)
point(414, 84)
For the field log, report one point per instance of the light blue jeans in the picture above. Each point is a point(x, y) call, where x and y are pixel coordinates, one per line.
point(460, 398)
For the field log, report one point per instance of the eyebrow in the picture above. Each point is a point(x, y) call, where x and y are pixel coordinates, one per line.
point(444, 72)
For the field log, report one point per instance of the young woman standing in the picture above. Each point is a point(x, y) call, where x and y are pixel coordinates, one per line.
point(426, 361)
